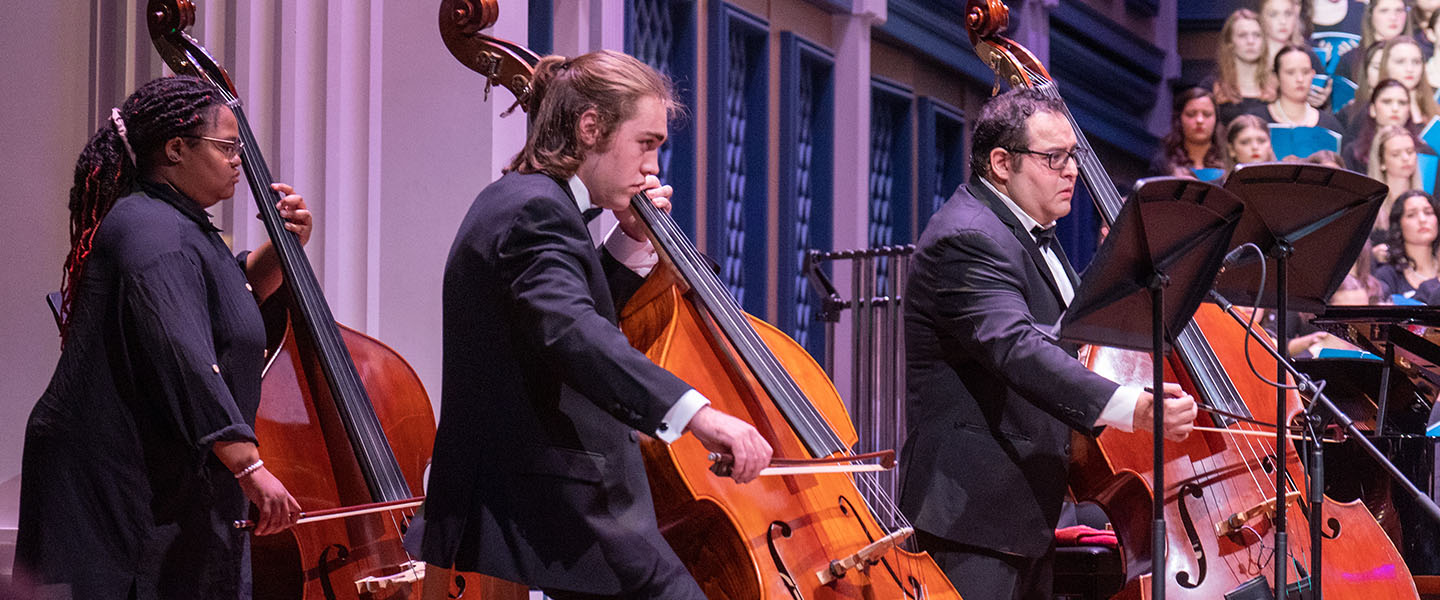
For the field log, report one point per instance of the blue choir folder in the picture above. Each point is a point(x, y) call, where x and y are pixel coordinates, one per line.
point(1343, 93)
point(1427, 164)
point(1341, 353)
point(1290, 140)
point(1431, 134)
point(1208, 174)
point(1331, 45)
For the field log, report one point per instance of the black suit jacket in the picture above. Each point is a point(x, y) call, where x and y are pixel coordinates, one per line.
point(537, 475)
point(991, 400)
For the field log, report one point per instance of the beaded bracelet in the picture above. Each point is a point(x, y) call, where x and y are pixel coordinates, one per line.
point(250, 469)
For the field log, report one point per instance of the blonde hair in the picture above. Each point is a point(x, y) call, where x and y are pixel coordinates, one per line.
point(1297, 36)
point(608, 82)
point(1367, 24)
point(1227, 87)
point(1423, 94)
point(1376, 170)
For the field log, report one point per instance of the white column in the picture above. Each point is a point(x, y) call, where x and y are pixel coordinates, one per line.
point(852, 152)
point(608, 28)
point(1034, 30)
point(572, 29)
point(256, 73)
point(46, 122)
point(343, 151)
point(435, 142)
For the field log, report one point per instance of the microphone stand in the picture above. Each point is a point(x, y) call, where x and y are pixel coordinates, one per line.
point(1328, 228)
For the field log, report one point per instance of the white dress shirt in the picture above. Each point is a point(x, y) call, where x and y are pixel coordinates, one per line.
point(1119, 411)
point(641, 257)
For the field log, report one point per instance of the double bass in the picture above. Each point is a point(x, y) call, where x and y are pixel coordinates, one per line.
point(321, 434)
point(785, 536)
point(1219, 486)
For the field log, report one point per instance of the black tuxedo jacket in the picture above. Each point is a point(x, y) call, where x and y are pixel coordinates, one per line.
point(991, 400)
point(537, 474)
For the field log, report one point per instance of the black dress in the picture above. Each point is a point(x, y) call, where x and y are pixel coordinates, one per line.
point(121, 495)
point(1396, 283)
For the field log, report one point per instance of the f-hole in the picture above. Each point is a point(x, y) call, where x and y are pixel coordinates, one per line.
point(325, 566)
point(1183, 577)
point(910, 585)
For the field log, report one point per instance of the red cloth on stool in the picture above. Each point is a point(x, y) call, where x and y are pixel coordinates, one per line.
point(1082, 535)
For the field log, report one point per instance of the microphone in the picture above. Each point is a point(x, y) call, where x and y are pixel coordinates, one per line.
point(1233, 258)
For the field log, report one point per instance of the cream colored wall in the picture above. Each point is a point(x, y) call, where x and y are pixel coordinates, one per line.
point(355, 102)
point(43, 125)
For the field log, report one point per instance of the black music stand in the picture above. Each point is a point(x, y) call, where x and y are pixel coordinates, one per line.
point(1162, 253)
point(1323, 214)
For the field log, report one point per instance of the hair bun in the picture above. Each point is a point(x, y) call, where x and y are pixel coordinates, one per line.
point(546, 71)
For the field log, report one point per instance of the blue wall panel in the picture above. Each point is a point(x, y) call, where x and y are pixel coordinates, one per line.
point(806, 178)
point(662, 33)
point(738, 103)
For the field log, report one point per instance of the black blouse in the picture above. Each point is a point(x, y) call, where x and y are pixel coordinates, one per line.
point(163, 356)
point(1395, 281)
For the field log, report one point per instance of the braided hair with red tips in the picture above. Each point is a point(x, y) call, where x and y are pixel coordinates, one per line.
point(120, 152)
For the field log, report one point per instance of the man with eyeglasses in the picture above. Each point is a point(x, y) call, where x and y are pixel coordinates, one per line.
point(991, 399)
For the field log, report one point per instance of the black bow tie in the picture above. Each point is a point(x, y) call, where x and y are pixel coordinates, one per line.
point(591, 213)
point(1044, 238)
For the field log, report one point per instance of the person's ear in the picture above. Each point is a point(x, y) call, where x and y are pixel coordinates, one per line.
point(174, 150)
point(588, 128)
point(1001, 164)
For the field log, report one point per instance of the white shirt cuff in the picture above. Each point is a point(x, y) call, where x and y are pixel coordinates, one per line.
point(673, 425)
point(637, 256)
point(1120, 410)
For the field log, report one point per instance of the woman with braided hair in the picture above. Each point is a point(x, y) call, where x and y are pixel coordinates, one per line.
point(141, 452)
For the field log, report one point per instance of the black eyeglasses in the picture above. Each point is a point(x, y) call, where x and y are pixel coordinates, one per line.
point(230, 148)
point(1055, 159)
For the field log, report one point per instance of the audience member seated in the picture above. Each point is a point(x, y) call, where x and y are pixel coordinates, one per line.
point(1430, 35)
point(1247, 141)
point(1325, 158)
point(1194, 141)
point(1422, 14)
point(1343, 16)
point(1280, 22)
point(1244, 83)
point(1384, 20)
point(1294, 72)
point(1389, 105)
point(1413, 245)
point(1393, 162)
point(1402, 60)
point(1353, 112)
point(1352, 292)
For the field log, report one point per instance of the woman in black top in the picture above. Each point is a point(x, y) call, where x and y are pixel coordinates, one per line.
point(1243, 81)
point(1384, 20)
point(141, 452)
point(1388, 105)
point(1413, 244)
point(1194, 141)
point(1403, 60)
point(1294, 71)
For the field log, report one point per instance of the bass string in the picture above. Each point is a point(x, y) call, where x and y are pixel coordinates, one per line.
point(372, 447)
point(1109, 202)
point(722, 306)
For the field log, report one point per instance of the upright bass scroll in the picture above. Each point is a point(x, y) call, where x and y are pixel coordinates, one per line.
point(501, 62)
